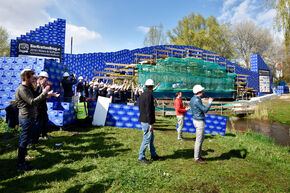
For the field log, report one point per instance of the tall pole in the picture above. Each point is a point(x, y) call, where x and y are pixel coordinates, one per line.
point(71, 44)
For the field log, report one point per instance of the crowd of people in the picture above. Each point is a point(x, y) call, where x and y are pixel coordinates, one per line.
point(91, 90)
point(33, 92)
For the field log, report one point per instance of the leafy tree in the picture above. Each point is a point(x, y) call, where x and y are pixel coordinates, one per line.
point(4, 44)
point(205, 33)
point(155, 36)
point(249, 39)
point(282, 17)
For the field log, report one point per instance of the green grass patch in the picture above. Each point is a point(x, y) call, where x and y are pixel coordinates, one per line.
point(275, 110)
point(104, 159)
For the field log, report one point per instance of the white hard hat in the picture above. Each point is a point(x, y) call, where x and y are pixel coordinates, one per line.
point(65, 74)
point(91, 83)
point(80, 78)
point(96, 83)
point(197, 88)
point(149, 82)
point(43, 74)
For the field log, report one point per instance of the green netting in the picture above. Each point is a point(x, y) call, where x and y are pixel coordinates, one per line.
point(181, 74)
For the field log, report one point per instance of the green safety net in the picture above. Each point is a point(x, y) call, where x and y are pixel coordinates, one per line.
point(181, 74)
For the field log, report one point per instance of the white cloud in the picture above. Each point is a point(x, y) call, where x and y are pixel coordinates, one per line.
point(21, 16)
point(80, 35)
point(143, 29)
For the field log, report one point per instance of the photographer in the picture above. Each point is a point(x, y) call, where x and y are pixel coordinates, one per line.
point(67, 84)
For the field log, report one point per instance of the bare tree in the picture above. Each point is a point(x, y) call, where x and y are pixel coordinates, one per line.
point(249, 39)
point(155, 36)
point(4, 43)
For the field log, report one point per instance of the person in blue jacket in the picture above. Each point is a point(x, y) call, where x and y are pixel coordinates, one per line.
point(198, 115)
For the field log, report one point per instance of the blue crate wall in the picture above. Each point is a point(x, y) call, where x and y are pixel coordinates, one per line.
point(214, 124)
point(126, 116)
point(55, 71)
point(52, 33)
point(10, 69)
point(61, 114)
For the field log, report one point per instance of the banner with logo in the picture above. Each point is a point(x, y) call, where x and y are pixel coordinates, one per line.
point(38, 49)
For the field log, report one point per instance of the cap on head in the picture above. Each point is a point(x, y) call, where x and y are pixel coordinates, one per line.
point(149, 82)
point(66, 74)
point(43, 74)
point(197, 88)
point(80, 78)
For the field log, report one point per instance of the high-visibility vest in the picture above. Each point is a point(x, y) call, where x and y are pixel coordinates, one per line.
point(82, 110)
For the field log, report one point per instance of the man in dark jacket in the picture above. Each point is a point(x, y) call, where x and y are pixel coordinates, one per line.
point(27, 105)
point(42, 116)
point(67, 84)
point(147, 119)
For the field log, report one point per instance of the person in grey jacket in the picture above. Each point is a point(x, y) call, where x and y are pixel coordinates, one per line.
point(198, 115)
point(27, 105)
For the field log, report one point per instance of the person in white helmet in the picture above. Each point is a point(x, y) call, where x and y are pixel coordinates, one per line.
point(42, 116)
point(80, 88)
point(198, 114)
point(147, 119)
point(67, 84)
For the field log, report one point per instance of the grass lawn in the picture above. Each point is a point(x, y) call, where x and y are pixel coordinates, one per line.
point(104, 159)
point(275, 110)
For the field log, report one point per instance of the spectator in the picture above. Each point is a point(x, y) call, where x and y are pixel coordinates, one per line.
point(27, 105)
point(42, 116)
point(67, 84)
point(80, 88)
point(95, 91)
point(198, 115)
point(180, 113)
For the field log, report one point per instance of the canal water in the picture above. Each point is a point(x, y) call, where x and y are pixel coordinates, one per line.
point(280, 132)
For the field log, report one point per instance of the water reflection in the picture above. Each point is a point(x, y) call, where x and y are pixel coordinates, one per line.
point(280, 132)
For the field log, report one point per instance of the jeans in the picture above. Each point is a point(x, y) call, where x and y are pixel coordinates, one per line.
point(148, 140)
point(180, 121)
point(41, 123)
point(27, 127)
point(199, 126)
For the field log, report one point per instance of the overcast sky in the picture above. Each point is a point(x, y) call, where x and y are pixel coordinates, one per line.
point(112, 25)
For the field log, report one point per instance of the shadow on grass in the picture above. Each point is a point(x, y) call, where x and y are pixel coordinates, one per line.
point(73, 148)
point(37, 181)
point(234, 153)
point(185, 154)
point(230, 135)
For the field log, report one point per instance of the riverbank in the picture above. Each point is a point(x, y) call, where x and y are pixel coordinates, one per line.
point(275, 110)
point(104, 159)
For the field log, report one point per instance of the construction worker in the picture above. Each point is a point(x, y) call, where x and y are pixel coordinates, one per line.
point(67, 84)
point(147, 119)
point(82, 109)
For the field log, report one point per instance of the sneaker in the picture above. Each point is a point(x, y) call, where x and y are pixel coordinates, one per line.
point(144, 160)
point(46, 137)
point(28, 157)
point(200, 161)
point(157, 158)
point(24, 167)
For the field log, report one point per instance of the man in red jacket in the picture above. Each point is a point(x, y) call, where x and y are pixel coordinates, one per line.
point(180, 113)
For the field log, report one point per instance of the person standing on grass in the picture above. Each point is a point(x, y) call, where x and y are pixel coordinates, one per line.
point(198, 115)
point(42, 116)
point(27, 105)
point(180, 113)
point(147, 119)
